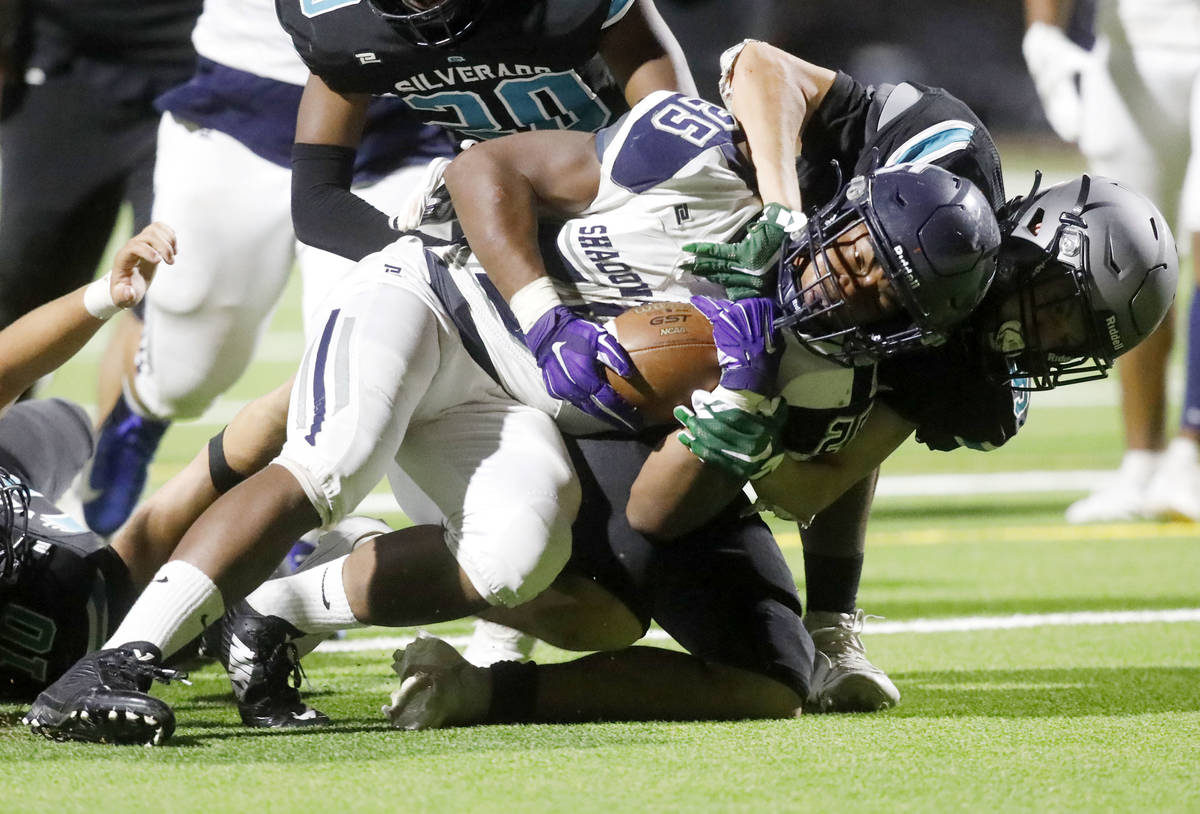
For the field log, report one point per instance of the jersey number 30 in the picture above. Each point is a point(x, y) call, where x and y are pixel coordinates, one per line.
point(546, 101)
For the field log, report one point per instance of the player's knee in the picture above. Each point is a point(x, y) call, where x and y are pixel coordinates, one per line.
point(601, 623)
point(528, 547)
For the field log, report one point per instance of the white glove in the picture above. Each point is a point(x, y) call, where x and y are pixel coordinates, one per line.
point(1055, 64)
point(428, 201)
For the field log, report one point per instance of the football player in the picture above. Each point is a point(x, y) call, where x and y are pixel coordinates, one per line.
point(1064, 317)
point(1144, 65)
point(223, 180)
point(478, 69)
point(374, 386)
point(62, 591)
point(474, 69)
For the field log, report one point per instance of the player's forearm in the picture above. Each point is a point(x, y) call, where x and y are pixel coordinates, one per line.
point(40, 341)
point(804, 488)
point(497, 208)
point(325, 213)
point(773, 94)
point(675, 492)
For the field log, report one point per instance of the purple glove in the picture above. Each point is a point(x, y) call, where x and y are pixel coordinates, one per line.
point(572, 353)
point(747, 342)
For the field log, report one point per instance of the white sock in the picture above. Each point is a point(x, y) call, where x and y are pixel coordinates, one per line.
point(312, 601)
point(173, 609)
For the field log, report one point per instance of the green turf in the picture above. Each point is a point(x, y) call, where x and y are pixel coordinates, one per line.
point(1068, 718)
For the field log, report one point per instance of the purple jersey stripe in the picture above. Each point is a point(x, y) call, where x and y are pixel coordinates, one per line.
point(319, 378)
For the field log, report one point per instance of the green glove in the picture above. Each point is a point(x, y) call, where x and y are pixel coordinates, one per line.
point(741, 439)
point(746, 268)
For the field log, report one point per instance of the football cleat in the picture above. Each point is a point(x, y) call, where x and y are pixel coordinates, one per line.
point(116, 476)
point(438, 687)
point(1124, 497)
point(843, 679)
point(103, 699)
point(1174, 491)
point(259, 655)
point(492, 642)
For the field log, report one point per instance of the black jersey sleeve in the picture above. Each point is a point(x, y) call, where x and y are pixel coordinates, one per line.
point(952, 398)
point(325, 213)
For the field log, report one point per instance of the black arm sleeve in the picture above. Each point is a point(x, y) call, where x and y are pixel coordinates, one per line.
point(325, 213)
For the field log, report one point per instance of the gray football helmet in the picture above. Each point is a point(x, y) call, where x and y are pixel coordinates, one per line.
point(1093, 267)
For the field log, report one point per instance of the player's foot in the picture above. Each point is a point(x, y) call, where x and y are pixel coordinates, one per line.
point(438, 687)
point(1123, 498)
point(260, 658)
point(844, 680)
point(1174, 491)
point(492, 642)
point(103, 698)
point(116, 476)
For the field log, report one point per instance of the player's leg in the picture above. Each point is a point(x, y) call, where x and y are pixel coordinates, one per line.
point(229, 208)
point(251, 440)
point(354, 418)
point(1135, 87)
point(711, 591)
point(1175, 490)
point(844, 679)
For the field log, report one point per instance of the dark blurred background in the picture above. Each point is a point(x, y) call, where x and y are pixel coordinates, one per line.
point(973, 49)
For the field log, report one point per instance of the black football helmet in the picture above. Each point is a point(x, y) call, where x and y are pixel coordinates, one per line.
point(14, 525)
point(442, 23)
point(935, 236)
point(1093, 268)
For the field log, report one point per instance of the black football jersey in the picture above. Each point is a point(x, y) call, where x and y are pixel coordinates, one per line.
point(527, 65)
point(70, 592)
point(946, 391)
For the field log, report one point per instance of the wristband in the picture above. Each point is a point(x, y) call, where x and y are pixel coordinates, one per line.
point(532, 301)
point(97, 298)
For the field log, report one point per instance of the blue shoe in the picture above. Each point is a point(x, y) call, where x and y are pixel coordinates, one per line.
point(119, 467)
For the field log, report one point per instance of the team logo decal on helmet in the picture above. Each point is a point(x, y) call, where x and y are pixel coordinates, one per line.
point(1093, 267)
point(432, 24)
point(936, 238)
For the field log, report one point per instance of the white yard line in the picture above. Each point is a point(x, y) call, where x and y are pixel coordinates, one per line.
point(873, 627)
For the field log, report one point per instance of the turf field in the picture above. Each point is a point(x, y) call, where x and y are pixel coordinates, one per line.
point(1043, 668)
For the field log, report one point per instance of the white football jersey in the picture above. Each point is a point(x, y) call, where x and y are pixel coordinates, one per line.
point(671, 174)
point(245, 34)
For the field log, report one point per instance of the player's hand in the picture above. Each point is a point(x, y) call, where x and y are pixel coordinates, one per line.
point(573, 353)
point(429, 204)
point(735, 434)
point(1055, 64)
point(135, 263)
point(748, 346)
point(746, 268)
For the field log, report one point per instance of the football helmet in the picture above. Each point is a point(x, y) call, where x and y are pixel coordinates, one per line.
point(14, 525)
point(1089, 269)
point(433, 25)
point(936, 238)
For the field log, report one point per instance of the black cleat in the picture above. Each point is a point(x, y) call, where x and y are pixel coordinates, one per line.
point(103, 698)
point(260, 658)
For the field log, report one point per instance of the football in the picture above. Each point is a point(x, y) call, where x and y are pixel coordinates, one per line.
point(671, 346)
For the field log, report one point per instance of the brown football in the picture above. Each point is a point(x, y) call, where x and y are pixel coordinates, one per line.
point(672, 348)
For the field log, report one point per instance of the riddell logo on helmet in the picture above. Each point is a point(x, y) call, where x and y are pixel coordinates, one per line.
point(913, 282)
point(1114, 336)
